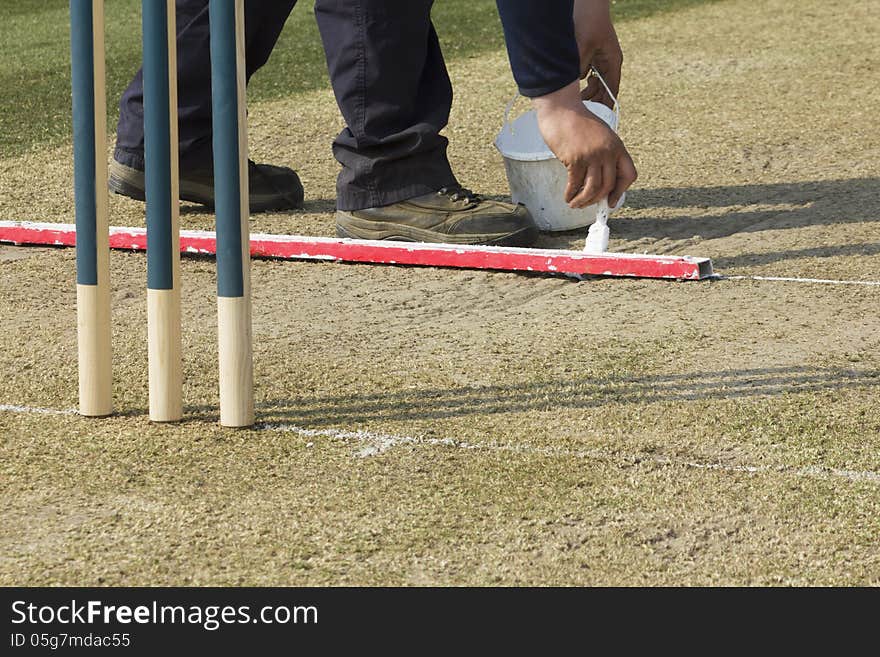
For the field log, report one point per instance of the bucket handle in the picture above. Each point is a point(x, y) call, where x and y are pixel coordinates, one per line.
point(594, 73)
point(591, 73)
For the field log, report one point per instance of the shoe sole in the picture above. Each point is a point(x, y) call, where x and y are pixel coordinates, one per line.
point(129, 182)
point(352, 227)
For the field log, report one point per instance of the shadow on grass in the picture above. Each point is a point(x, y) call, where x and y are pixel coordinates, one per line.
point(721, 211)
point(561, 394)
point(756, 259)
point(824, 202)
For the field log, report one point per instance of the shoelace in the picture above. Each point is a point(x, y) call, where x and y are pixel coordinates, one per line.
point(459, 194)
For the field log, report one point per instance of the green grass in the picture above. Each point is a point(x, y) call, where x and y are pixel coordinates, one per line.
point(35, 72)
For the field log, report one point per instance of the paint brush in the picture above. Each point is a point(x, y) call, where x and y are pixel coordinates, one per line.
point(597, 237)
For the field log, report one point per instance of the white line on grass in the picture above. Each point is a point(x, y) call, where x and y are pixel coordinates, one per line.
point(374, 443)
point(377, 443)
point(784, 279)
point(33, 410)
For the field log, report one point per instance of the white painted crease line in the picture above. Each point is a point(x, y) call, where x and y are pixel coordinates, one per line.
point(33, 410)
point(785, 279)
point(374, 443)
point(377, 443)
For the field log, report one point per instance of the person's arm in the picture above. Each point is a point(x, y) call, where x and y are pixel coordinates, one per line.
point(546, 63)
point(598, 48)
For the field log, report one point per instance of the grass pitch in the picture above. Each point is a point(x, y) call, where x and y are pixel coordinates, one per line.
point(422, 426)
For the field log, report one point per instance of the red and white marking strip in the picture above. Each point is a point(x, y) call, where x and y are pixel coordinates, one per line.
point(297, 247)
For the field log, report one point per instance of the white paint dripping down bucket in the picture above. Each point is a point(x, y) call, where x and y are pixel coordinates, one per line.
point(538, 180)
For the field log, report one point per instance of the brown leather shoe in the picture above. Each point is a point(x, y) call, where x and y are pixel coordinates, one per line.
point(451, 215)
point(271, 187)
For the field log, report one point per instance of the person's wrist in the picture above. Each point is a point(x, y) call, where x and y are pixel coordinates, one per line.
point(568, 98)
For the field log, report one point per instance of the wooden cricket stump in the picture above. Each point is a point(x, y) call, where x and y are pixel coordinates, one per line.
point(232, 207)
point(163, 233)
point(90, 184)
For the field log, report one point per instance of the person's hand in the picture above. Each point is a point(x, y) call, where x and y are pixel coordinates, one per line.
point(597, 161)
point(598, 47)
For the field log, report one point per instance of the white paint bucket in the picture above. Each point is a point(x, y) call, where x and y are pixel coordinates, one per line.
point(537, 179)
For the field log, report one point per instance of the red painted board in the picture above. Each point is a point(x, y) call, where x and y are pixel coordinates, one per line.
point(297, 247)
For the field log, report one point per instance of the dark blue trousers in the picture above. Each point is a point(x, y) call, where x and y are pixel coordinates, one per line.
point(388, 76)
